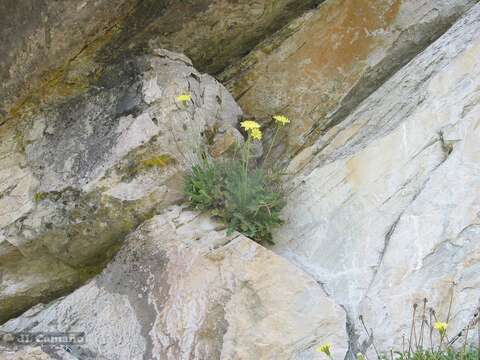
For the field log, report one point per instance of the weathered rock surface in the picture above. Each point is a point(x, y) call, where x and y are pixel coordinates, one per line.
point(40, 37)
point(56, 48)
point(384, 209)
point(79, 175)
point(323, 64)
point(180, 288)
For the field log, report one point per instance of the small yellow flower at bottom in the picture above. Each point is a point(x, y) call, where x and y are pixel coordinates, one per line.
point(441, 327)
point(325, 348)
point(256, 134)
point(184, 97)
point(249, 125)
point(360, 356)
point(281, 119)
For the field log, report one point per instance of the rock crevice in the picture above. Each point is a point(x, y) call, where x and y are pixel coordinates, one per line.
point(141, 305)
point(393, 182)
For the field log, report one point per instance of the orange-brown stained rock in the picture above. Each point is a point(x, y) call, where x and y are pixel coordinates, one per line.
point(318, 61)
point(349, 36)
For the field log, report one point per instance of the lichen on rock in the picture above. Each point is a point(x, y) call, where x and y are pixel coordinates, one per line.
point(88, 170)
point(320, 66)
point(384, 208)
point(182, 288)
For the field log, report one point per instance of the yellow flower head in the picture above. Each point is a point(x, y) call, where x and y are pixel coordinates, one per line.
point(360, 356)
point(249, 125)
point(441, 327)
point(281, 119)
point(184, 97)
point(325, 348)
point(256, 134)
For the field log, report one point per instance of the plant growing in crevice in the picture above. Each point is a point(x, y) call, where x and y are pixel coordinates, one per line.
point(243, 194)
point(438, 345)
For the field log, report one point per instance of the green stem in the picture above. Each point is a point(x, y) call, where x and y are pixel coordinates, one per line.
point(245, 180)
point(247, 155)
point(271, 145)
point(442, 336)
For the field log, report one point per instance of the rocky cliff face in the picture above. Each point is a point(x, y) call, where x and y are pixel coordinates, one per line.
point(180, 288)
point(383, 177)
point(57, 48)
point(336, 56)
point(384, 208)
point(81, 174)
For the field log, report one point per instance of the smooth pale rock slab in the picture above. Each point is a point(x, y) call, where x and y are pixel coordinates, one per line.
point(180, 288)
point(82, 173)
point(384, 209)
point(323, 64)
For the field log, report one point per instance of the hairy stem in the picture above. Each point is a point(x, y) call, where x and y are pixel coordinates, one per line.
point(423, 322)
point(245, 180)
point(271, 144)
point(412, 329)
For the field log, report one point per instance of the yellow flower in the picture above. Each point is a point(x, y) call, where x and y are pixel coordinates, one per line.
point(360, 356)
point(325, 348)
point(281, 119)
point(441, 327)
point(256, 134)
point(184, 97)
point(249, 125)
